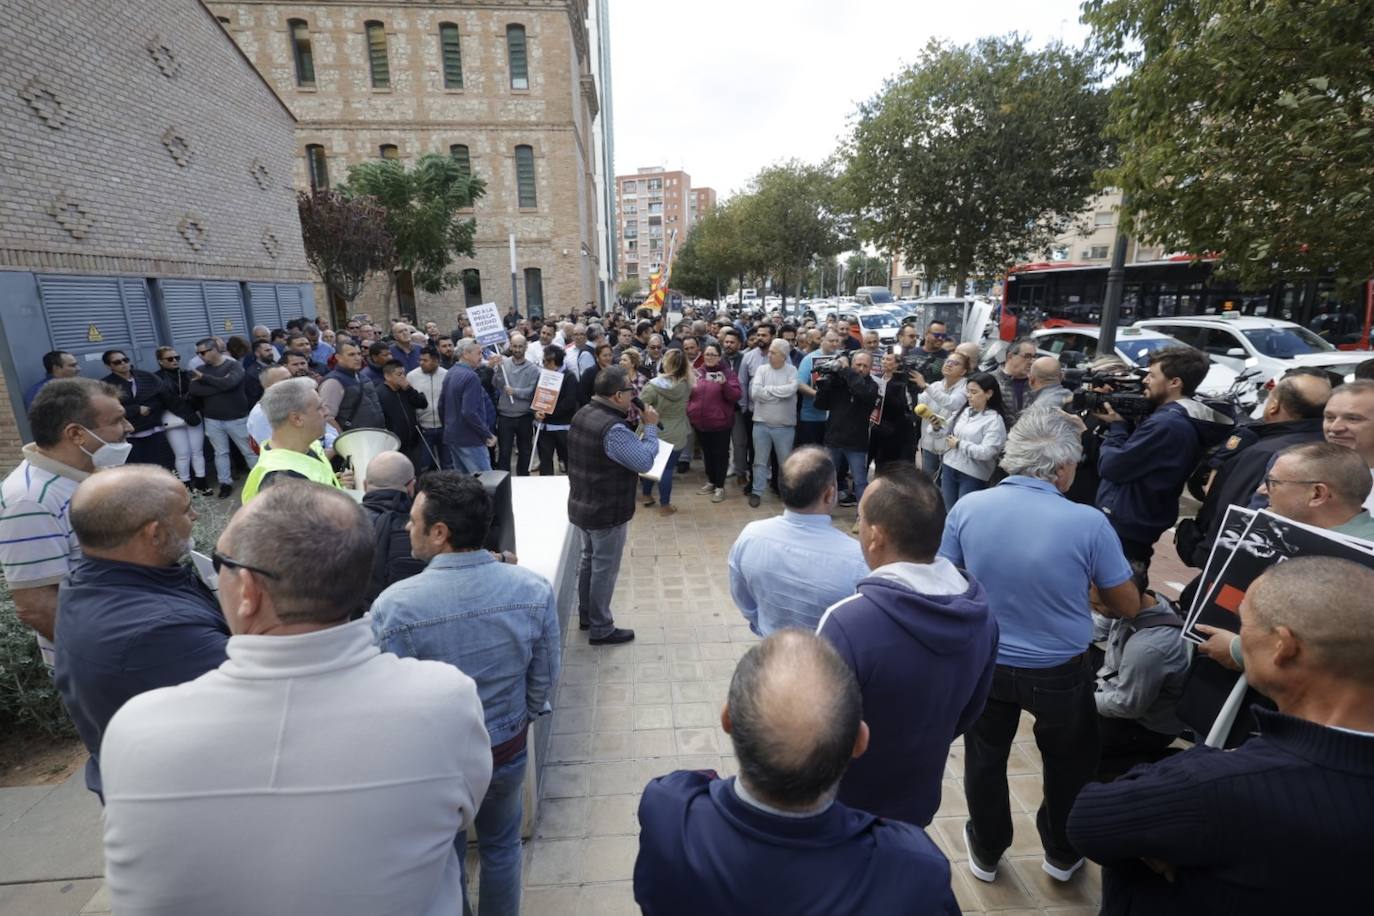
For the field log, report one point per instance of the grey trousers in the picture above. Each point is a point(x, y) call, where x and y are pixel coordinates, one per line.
point(741, 438)
point(596, 574)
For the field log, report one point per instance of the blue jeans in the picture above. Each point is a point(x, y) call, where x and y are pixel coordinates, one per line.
point(433, 448)
point(470, 458)
point(498, 842)
point(219, 432)
point(930, 463)
point(665, 483)
point(857, 459)
point(955, 485)
point(766, 440)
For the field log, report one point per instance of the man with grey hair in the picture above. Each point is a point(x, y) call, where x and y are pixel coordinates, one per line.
point(467, 414)
point(1283, 819)
point(773, 392)
point(255, 756)
point(130, 616)
point(794, 717)
point(403, 348)
point(1037, 588)
point(1013, 377)
point(294, 411)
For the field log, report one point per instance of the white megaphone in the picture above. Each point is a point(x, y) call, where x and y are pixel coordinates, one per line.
point(359, 446)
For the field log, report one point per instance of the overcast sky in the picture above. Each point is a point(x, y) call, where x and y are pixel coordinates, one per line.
point(721, 88)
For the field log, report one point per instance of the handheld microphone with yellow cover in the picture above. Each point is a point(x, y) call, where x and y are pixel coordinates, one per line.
point(925, 413)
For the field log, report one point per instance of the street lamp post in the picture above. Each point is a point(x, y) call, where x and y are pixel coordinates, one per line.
point(1116, 284)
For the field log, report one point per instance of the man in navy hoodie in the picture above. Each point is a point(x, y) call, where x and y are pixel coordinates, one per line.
point(1143, 472)
point(774, 839)
point(923, 643)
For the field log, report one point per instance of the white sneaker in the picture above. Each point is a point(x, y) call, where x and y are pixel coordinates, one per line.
point(718, 496)
point(706, 488)
point(980, 871)
point(1060, 874)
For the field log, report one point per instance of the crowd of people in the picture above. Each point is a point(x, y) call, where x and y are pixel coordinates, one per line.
point(353, 688)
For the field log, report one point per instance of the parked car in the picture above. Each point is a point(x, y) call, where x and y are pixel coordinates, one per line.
point(1135, 346)
point(873, 295)
point(1275, 345)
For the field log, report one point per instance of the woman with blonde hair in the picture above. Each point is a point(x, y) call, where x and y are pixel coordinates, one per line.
point(944, 398)
point(669, 394)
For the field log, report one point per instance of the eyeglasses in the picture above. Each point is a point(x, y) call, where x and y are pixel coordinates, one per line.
point(1271, 482)
point(937, 336)
point(119, 362)
point(218, 560)
point(170, 359)
point(201, 352)
point(623, 390)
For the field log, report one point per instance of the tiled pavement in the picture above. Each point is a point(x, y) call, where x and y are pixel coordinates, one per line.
point(625, 714)
point(629, 713)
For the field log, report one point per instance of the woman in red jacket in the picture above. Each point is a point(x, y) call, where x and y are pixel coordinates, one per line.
point(711, 410)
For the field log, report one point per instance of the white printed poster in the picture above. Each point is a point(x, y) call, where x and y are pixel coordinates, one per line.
point(486, 325)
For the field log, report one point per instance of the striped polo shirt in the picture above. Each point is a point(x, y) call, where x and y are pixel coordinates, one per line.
point(37, 544)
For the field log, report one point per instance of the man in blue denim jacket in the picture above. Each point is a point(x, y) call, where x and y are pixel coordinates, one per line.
point(498, 624)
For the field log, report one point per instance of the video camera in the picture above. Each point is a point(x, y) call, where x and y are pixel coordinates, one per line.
point(1126, 393)
point(823, 366)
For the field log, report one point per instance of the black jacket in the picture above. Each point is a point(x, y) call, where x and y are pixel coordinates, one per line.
point(849, 397)
point(1238, 477)
point(177, 382)
point(398, 407)
point(142, 389)
point(388, 511)
point(569, 399)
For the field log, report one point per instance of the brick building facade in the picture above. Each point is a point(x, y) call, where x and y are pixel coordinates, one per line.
point(143, 156)
point(507, 88)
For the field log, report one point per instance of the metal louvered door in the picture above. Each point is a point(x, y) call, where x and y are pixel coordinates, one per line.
point(88, 315)
point(263, 305)
point(225, 304)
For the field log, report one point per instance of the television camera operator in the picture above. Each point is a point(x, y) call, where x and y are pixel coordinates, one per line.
point(1144, 469)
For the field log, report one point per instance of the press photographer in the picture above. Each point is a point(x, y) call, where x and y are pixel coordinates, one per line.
point(849, 394)
point(1143, 471)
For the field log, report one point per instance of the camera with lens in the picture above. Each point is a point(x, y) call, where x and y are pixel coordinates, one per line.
point(1126, 393)
point(824, 367)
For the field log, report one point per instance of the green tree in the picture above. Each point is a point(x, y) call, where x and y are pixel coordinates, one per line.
point(1246, 129)
point(789, 216)
point(977, 156)
point(822, 278)
point(346, 239)
point(864, 270)
point(628, 289)
point(422, 208)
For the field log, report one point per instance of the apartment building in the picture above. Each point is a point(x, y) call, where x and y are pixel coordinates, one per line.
point(651, 205)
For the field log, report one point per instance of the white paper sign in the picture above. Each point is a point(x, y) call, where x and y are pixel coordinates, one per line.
point(665, 450)
point(486, 324)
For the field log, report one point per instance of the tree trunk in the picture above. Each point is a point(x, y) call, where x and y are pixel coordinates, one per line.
point(961, 285)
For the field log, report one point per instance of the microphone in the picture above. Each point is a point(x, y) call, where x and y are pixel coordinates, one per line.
point(925, 413)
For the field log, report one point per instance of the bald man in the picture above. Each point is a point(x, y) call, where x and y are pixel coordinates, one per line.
point(1046, 383)
point(1292, 416)
point(1284, 819)
point(794, 719)
point(390, 490)
point(130, 616)
point(258, 427)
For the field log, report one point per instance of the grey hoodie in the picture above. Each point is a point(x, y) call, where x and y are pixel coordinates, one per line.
point(1143, 673)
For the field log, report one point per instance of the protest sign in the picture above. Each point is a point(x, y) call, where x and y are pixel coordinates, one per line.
point(546, 392)
point(1248, 544)
point(486, 325)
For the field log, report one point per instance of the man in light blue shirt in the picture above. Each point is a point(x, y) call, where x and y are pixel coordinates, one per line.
point(1036, 553)
point(785, 571)
point(811, 421)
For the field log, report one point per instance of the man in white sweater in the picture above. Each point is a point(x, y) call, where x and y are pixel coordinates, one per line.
point(773, 391)
point(310, 773)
